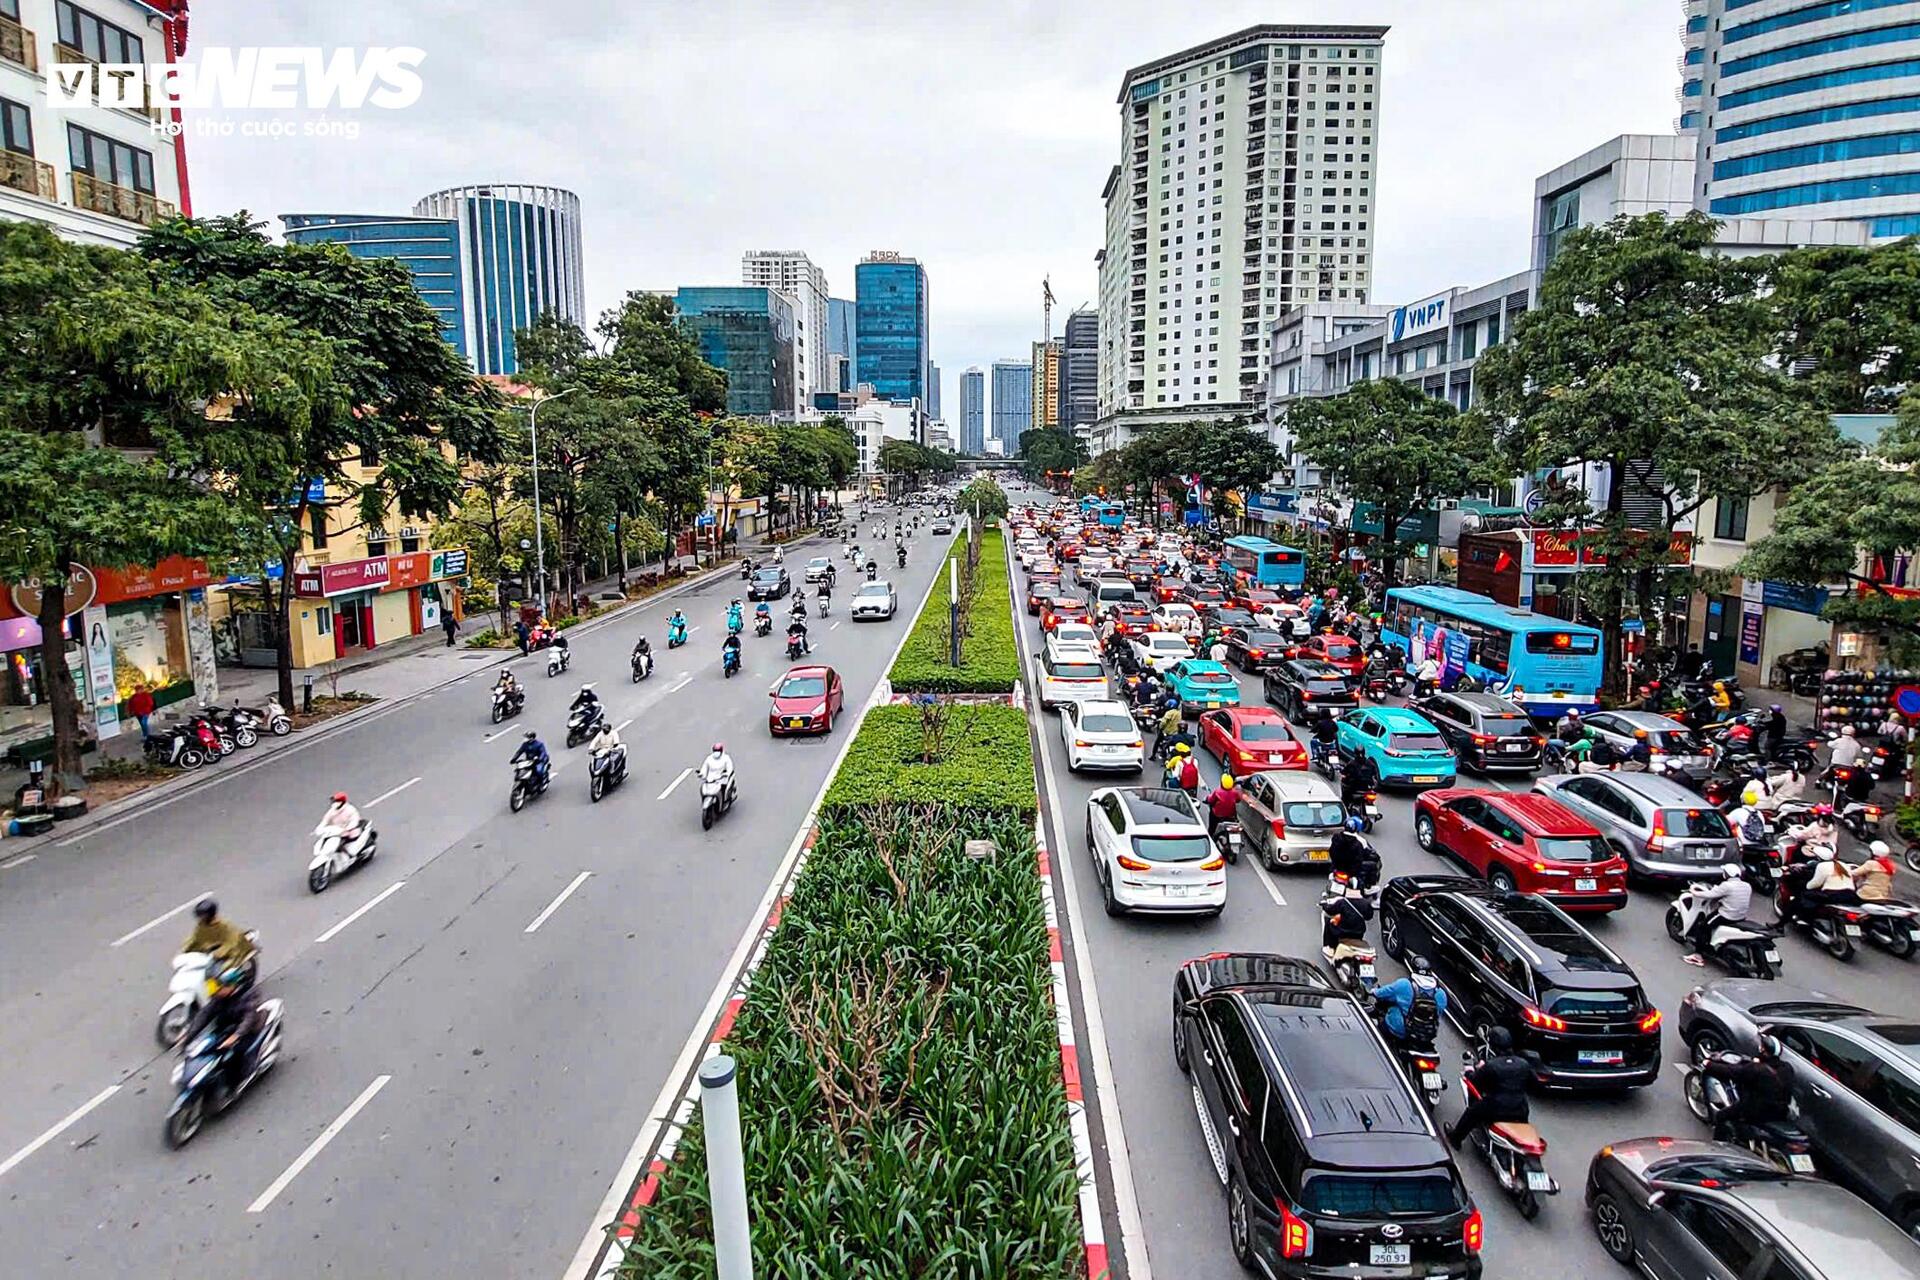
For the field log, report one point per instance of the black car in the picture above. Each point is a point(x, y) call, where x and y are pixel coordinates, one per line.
point(1254, 648)
point(1223, 616)
point(1331, 1166)
point(1301, 686)
point(1141, 573)
point(1485, 730)
point(1203, 596)
point(1515, 960)
point(769, 583)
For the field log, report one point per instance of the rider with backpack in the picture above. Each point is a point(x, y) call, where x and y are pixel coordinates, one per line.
point(1413, 1004)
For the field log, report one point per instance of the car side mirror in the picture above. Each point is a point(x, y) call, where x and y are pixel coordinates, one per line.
point(1656, 1199)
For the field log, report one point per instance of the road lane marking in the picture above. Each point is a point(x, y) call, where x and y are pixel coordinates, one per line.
point(158, 920)
point(676, 782)
point(319, 1144)
point(834, 627)
point(496, 733)
point(74, 1117)
point(1273, 890)
point(623, 724)
point(388, 795)
point(20, 861)
point(375, 901)
point(555, 904)
point(685, 680)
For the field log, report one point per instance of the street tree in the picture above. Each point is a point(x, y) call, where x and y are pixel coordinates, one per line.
point(1102, 476)
point(1849, 322)
point(647, 335)
point(1049, 449)
point(1228, 456)
point(983, 497)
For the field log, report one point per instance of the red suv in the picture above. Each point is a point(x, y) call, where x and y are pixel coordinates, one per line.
point(1525, 842)
point(1335, 651)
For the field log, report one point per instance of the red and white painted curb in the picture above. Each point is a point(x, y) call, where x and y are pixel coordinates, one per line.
point(1092, 1229)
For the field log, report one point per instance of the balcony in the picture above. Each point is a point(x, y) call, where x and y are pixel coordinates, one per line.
point(148, 108)
point(17, 46)
point(117, 201)
point(20, 172)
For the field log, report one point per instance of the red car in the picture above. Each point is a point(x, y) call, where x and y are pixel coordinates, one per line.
point(1251, 739)
point(1130, 619)
point(1254, 599)
point(1062, 609)
point(805, 701)
point(1335, 651)
point(1040, 589)
point(1519, 840)
point(1071, 551)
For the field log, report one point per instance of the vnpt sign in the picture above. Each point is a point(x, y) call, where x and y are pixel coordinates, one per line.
point(1420, 317)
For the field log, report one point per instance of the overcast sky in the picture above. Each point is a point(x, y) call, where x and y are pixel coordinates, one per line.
point(974, 136)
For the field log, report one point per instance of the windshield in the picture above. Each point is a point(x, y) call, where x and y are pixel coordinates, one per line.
point(1602, 1003)
point(1314, 813)
point(873, 589)
point(1416, 742)
point(768, 575)
point(1264, 731)
point(1338, 649)
point(1575, 849)
point(1106, 722)
point(1265, 639)
point(1372, 1196)
point(1165, 643)
point(1678, 741)
point(1193, 848)
point(803, 687)
point(1208, 677)
point(1506, 727)
point(1702, 824)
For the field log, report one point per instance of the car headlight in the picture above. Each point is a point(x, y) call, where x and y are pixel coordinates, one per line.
point(818, 711)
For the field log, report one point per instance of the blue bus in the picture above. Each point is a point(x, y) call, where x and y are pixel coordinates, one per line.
point(1547, 665)
point(1266, 564)
point(1109, 515)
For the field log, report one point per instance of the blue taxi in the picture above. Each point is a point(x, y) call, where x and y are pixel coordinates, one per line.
point(1203, 685)
point(1404, 745)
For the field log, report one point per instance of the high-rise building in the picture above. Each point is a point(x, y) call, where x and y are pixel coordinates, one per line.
point(749, 332)
point(794, 274)
point(429, 248)
point(973, 412)
point(519, 258)
point(1080, 373)
point(1012, 403)
point(1044, 411)
point(841, 329)
point(933, 392)
point(891, 337)
point(1274, 128)
point(1805, 111)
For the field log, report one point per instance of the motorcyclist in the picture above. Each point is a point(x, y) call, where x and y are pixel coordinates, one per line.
point(798, 609)
point(506, 685)
point(1776, 730)
point(779, 554)
point(1726, 903)
point(1427, 677)
point(216, 936)
point(1398, 998)
point(1223, 803)
point(1846, 751)
point(1182, 771)
point(642, 652)
point(1325, 733)
point(900, 555)
point(1873, 879)
point(232, 1013)
point(873, 571)
point(606, 738)
point(718, 767)
point(826, 594)
point(1350, 854)
point(730, 650)
point(1831, 878)
point(762, 614)
point(797, 631)
point(1640, 754)
point(1761, 1086)
point(1359, 779)
point(677, 624)
point(1816, 837)
point(1500, 1080)
point(341, 818)
point(1343, 918)
point(1171, 726)
point(1722, 699)
point(735, 620)
point(531, 748)
point(1571, 727)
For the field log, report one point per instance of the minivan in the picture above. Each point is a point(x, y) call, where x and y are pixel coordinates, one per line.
point(1663, 830)
point(1111, 591)
point(1069, 673)
point(1289, 817)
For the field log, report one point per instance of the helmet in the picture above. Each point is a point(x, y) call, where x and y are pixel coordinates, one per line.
point(1573, 713)
point(339, 797)
point(719, 748)
point(1823, 811)
point(1640, 734)
point(1182, 749)
point(206, 908)
point(1418, 966)
point(1880, 849)
point(1769, 1045)
point(1499, 1040)
point(529, 735)
point(1226, 782)
point(1356, 824)
point(1774, 707)
point(1751, 796)
point(1848, 732)
point(1720, 686)
point(1730, 871)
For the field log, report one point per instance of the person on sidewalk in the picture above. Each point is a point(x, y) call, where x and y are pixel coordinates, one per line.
point(140, 707)
point(449, 624)
point(520, 634)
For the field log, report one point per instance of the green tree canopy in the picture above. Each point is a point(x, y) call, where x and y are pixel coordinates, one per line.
point(983, 495)
point(1045, 449)
point(1849, 322)
point(647, 335)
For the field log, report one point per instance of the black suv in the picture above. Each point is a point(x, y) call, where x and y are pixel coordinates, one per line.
point(1254, 648)
point(1332, 1166)
point(1515, 960)
point(1485, 730)
point(1301, 686)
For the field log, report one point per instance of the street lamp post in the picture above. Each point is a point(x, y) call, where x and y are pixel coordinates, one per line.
point(539, 542)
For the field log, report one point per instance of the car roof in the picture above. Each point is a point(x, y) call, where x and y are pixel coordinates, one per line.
point(1829, 1226)
point(1157, 807)
point(1489, 702)
point(806, 671)
point(1401, 718)
point(1645, 719)
point(1554, 944)
point(1172, 636)
point(1203, 666)
point(1113, 705)
point(1293, 785)
point(1540, 815)
point(1266, 715)
point(1317, 669)
point(1336, 1077)
point(878, 584)
point(1221, 969)
point(1663, 792)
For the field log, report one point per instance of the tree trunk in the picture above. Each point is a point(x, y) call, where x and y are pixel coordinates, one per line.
point(279, 602)
point(63, 700)
point(1613, 672)
point(1389, 547)
point(620, 546)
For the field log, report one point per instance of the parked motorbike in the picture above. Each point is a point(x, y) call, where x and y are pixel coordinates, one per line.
point(187, 988)
point(582, 721)
point(640, 665)
point(1741, 947)
point(1514, 1151)
point(508, 703)
point(275, 717)
point(605, 771)
point(214, 744)
point(239, 724)
point(178, 747)
point(559, 658)
point(201, 1075)
point(335, 852)
point(716, 798)
point(528, 784)
point(1782, 1143)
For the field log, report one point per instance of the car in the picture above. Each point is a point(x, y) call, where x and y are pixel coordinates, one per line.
point(1251, 740)
point(1178, 617)
point(1167, 587)
point(805, 700)
point(1140, 572)
point(1337, 652)
point(1254, 650)
point(769, 582)
point(1856, 1080)
point(1129, 619)
point(1682, 1209)
point(819, 568)
point(1062, 609)
point(873, 600)
point(1202, 685)
point(1076, 633)
point(1152, 853)
point(1515, 960)
point(1331, 1166)
point(1289, 818)
point(941, 524)
point(1160, 649)
point(1254, 600)
point(1402, 744)
point(1203, 594)
point(1664, 831)
point(1070, 550)
point(1486, 731)
point(1100, 733)
point(1675, 747)
point(1031, 552)
point(1301, 687)
point(1068, 673)
point(1525, 842)
point(1040, 589)
point(1106, 592)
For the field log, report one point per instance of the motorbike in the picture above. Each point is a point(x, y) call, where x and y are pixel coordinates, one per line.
point(1761, 863)
point(729, 662)
point(213, 744)
point(1514, 1151)
point(275, 717)
point(735, 622)
point(1352, 964)
point(582, 721)
point(1894, 927)
point(201, 1075)
point(187, 988)
point(559, 658)
point(508, 702)
point(178, 747)
point(676, 633)
point(1782, 1143)
point(901, 558)
point(242, 725)
point(1417, 1058)
point(716, 798)
point(640, 664)
point(763, 624)
point(607, 770)
point(1741, 947)
point(796, 646)
point(1366, 807)
point(1227, 837)
point(1833, 926)
point(336, 851)
point(1382, 679)
point(528, 784)
point(826, 604)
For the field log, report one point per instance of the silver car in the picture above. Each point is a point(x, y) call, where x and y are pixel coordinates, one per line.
point(1675, 747)
point(1663, 830)
point(1856, 1080)
point(873, 600)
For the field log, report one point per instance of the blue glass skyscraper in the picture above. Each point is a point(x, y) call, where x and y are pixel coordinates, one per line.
point(1012, 403)
point(747, 331)
point(428, 247)
point(973, 412)
point(892, 348)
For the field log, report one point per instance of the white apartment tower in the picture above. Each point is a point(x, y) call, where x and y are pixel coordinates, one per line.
point(794, 274)
point(1245, 186)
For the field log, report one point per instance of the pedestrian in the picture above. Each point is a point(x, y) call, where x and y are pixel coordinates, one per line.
point(140, 707)
point(450, 624)
point(520, 634)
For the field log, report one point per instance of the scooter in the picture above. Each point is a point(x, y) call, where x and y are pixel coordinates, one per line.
point(508, 702)
point(1782, 1143)
point(213, 743)
point(1514, 1151)
point(1742, 948)
point(796, 646)
point(275, 717)
point(605, 771)
point(200, 1075)
point(239, 724)
point(729, 662)
point(559, 658)
point(1417, 1058)
point(716, 798)
point(528, 784)
point(1353, 966)
point(187, 988)
point(1894, 927)
point(1833, 926)
point(1227, 837)
point(178, 747)
point(1367, 809)
point(582, 721)
point(334, 852)
point(763, 624)
point(640, 664)
point(676, 633)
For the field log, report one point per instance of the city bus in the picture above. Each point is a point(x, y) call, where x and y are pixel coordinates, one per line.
point(1547, 665)
point(1266, 564)
point(1108, 515)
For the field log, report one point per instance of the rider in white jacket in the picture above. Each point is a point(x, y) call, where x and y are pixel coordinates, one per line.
point(341, 819)
point(718, 766)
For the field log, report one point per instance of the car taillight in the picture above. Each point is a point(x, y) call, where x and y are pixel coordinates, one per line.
point(1081, 743)
point(1472, 1233)
point(1651, 1022)
point(1658, 840)
point(1256, 653)
point(1279, 828)
point(1544, 1021)
point(1133, 864)
point(1296, 1237)
point(1214, 864)
point(1305, 696)
point(1482, 739)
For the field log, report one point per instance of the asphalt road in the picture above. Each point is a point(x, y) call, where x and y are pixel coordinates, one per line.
point(490, 1005)
point(1133, 960)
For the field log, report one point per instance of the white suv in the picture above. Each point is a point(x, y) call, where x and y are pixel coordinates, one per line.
point(1152, 853)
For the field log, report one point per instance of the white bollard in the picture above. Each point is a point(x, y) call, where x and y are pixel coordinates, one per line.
point(726, 1169)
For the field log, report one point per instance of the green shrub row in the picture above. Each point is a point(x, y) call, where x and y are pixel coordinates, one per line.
point(985, 760)
point(989, 658)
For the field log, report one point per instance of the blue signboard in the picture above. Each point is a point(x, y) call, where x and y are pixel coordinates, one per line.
point(1195, 516)
point(1458, 643)
point(704, 520)
point(1632, 625)
point(1421, 526)
point(1784, 595)
point(1271, 506)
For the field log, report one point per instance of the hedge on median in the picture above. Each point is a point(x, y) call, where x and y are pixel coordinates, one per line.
point(900, 1094)
point(989, 660)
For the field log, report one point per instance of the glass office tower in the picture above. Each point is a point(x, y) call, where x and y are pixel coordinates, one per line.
point(747, 331)
point(520, 248)
point(891, 346)
point(429, 248)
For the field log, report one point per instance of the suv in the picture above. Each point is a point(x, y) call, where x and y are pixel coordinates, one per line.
point(1856, 1080)
point(1675, 747)
point(1484, 729)
point(1152, 853)
point(1521, 841)
point(1404, 747)
point(1515, 960)
point(1300, 687)
point(1289, 818)
point(1664, 830)
point(1331, 1166)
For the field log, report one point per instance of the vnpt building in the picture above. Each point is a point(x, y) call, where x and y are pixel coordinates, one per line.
point(891, 345)
point(748, 332)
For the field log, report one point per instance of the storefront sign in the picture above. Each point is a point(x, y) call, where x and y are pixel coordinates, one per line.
point(450, 564)
point(1751, 613)
point(1554, 549)
point(175, 573)
point(409, 570)
point(1784, 595)
point(100, 682)
point(83, 588)
point(1271, 506)
point(340, 579)
point(1848, 644)
point(1567, 548)
point(1421, 317)
point(1419, 526)
point(18, 633)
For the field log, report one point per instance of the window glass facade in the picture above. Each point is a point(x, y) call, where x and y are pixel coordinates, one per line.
point(519, 257)
point(892, 342)
point(1819, 115)
point(16, 127)
point(1563, 216)
point(109, 160)
point(1798, 17)
point(1905, 224)
point(97, 38)
point(1884, 144)
point(1892, 184)
point(429, 248)
point(748, 332)
point(1825, 80)
point(1816, 48)
point(1730, 519)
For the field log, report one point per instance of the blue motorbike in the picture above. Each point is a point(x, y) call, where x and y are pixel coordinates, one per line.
point(676, 632)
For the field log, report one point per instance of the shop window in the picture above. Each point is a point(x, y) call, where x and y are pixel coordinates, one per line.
point(376, 547)
point(149, 644)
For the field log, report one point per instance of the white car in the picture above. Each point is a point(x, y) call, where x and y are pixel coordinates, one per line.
point(1176, 617)
point(873, 600)
point(1078, 633)
point(1161, 649)
point(1152, 853)
point(818, 568)
point(1029, 552)
point(1069, 673)
point(1100, 733)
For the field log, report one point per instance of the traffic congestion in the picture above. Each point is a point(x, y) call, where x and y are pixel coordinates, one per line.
point(1420, 952)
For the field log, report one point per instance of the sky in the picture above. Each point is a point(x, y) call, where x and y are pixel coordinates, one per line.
point(972, 136)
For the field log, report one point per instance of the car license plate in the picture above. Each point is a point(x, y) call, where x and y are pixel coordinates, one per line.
point(1537, 1180)
point(1914, 934)
point(1515, 748)
point(1390, 1255)
point(1210, 705)
point(795, 722)
point(1426, 777)
point(1180, 891)
point(1602, 1057)
point(1800, 1162)
point(1586, 884)
point(1318, 855)
point(1773, 957)
point(1853, 931)
point(1366, 971)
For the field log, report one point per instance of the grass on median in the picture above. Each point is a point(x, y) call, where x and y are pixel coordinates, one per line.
point(989, 662)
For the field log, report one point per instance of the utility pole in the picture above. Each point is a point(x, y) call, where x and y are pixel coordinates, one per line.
point(539, 543)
